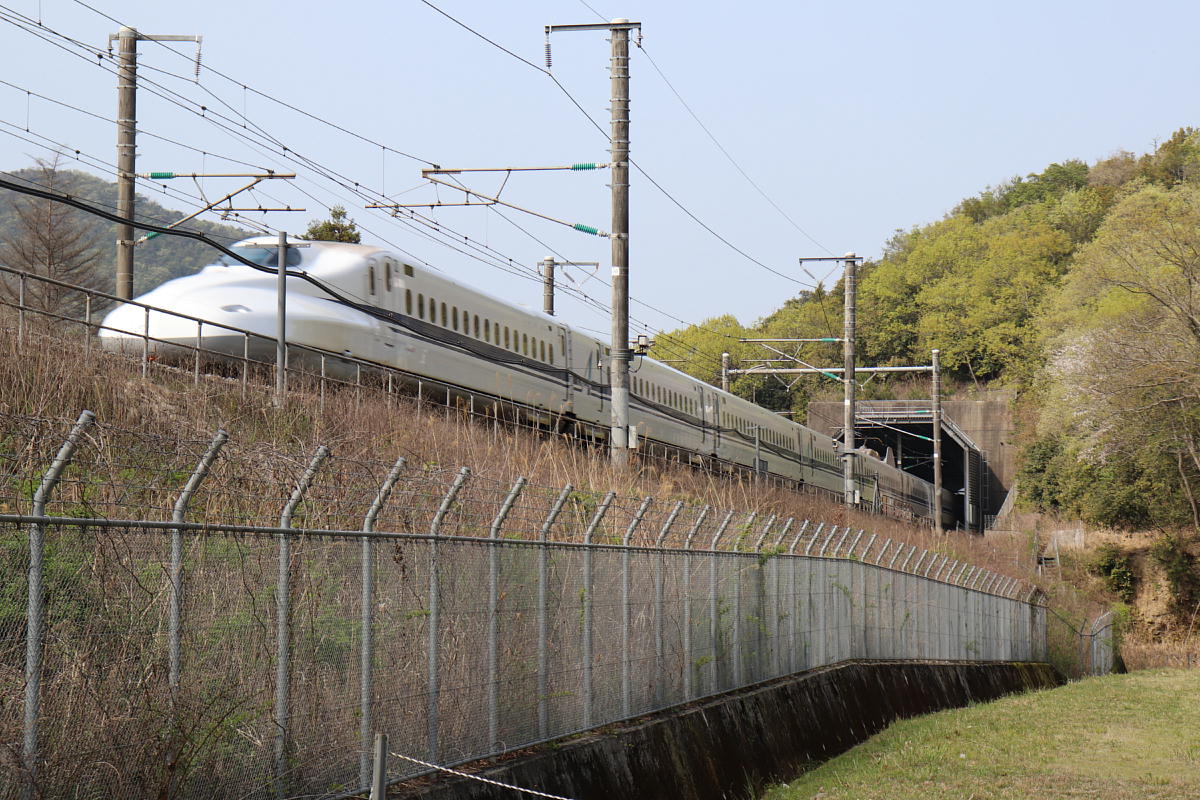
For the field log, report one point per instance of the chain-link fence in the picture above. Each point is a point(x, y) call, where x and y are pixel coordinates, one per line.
point(1078, 647)
point(183, 618)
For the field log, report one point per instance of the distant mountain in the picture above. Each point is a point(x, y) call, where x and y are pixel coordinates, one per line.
point(155, 261)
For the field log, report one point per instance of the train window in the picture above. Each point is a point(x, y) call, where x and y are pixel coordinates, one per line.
point(432, 310)
point(408, 302)
point(506, 344)
point(445, 321)
point(476, 326)
point(454, 317)
point(525, 343)
point(387, 275)
point(487, 330)
point(408, 270)
point(421, 306)
point(551, 354)
point(370, 280)
point(542, 349)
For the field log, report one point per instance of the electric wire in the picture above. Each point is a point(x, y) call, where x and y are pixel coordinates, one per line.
point(691, 215)
point(230, 127)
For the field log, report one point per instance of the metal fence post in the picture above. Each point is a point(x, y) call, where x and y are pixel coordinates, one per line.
point(867, 547)
point(36, 601)
point(714, 618)
point(825, 544)
point(816, 534)
point(787, 526)
point(687, 603)
point(660, 567)
point(283, 629)
point(378, 770)
point(626, 600)
point(737, 599)
point(21, 313)
point(758, 543)
point(366, 702)
point(434, 678)
point(494, 614)
point(543, 679)
point(146, 342)
point(588, 692)
point(795, 659)
point(175, 613)
point(178, 514)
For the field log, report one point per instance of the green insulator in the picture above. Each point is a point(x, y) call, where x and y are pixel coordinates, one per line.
point(591, 165)
point(579, 226)
point(152, 234)
point(161, 176)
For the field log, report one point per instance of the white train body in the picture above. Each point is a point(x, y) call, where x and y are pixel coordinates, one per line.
point(423, 324)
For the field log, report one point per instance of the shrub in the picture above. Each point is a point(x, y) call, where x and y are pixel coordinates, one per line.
point(1113, 566)
point(1183, 582)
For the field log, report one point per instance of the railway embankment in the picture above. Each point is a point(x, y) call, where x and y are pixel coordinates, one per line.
point(54, 371)
point(733, 745)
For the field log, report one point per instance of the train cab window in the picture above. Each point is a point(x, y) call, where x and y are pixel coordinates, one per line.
point(408, 302)
point(408, 270)
point(421, 305)
point(476, 326)
point(454, 317)
point(370, 280)
point(445, 322)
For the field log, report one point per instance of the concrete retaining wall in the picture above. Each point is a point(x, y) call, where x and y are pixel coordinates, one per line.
point(732, 745)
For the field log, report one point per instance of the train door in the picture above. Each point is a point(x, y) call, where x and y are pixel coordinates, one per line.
point(601, 384)
point(714, 414)
point(564, 340)
point(380, 335)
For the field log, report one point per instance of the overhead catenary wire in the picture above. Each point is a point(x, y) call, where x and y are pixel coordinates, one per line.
point(244, 129)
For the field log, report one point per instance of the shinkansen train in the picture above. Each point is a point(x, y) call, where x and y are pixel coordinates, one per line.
point(368, 304)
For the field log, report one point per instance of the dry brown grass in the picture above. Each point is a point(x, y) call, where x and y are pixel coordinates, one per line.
point(52, 376)
point(152, 431)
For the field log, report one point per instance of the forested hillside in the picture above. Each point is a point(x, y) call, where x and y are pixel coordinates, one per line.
point(1079, 287)
point(92, 239)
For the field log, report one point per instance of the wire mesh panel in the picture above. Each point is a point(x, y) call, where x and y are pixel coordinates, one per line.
point(191, 645)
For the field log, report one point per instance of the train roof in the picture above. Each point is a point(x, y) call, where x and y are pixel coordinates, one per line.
point(369, 250)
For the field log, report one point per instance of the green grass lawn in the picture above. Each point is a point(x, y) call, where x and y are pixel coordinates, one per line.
point(1120, 737)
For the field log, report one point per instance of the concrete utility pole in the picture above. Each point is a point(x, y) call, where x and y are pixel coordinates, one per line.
point(127, 39)
point(848, 380)
point(620, 354)
point(619, 373)
point(937, 442)
point(725, 372)
point(126, 155)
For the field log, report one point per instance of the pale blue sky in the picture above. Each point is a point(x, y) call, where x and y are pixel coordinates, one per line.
point(855, 118)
